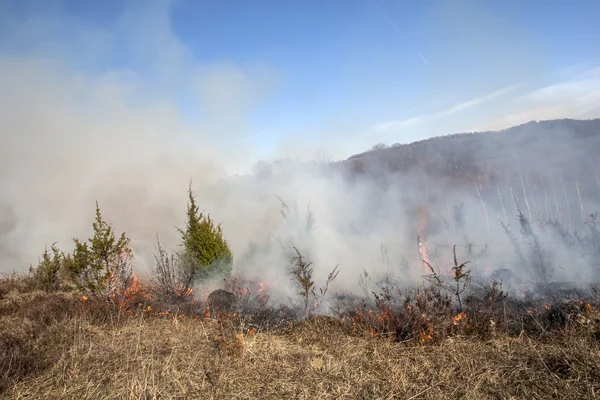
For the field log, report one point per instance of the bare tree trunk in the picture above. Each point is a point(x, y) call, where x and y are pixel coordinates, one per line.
point(568, 207)
point(580, 202)
point(502, 203)
point(545, 196)
point(487, 221)
point(526, 199)
point(557, 201)
point(512, 195)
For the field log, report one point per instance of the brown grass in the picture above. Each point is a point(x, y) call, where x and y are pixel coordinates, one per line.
point(58, 346)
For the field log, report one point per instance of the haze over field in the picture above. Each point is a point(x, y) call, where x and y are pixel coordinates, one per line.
point(125, 102)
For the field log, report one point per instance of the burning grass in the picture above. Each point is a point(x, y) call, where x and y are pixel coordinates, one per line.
point(403, 344)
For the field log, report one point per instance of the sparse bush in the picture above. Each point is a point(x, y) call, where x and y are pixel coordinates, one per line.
point(590, 244)
point(47, 273)
point(538, 257)
point(299, 230)
point(302, 277)
point(487, 310)
point(205, 252)
point(535, 257)
point(15, 282)
point(172, 278)
point(102, 266)
point(461, 279)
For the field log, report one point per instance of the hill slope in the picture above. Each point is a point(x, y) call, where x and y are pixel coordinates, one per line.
point(569, 146)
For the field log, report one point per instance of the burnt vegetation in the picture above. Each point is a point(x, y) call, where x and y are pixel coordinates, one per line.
point(82, 324)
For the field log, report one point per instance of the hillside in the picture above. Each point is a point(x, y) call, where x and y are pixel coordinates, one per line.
point(548, 169)
point(568, 145)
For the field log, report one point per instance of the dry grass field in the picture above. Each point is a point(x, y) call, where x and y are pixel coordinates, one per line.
point(61, 346)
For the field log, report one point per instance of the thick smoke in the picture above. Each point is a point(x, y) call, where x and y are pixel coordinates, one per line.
point(70, 138)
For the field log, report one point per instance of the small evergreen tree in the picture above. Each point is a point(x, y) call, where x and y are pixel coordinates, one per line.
point(47, 273)
point(205, 251)
point(102, 265)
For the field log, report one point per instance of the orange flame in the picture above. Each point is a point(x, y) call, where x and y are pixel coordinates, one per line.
point(423, 221)
point(134, 288)
point(426, 335)
point(183, 292)
point(456, 320)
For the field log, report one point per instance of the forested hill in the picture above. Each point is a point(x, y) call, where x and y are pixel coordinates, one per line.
point(569, 147)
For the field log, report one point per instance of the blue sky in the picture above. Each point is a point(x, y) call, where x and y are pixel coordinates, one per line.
point(335, 74)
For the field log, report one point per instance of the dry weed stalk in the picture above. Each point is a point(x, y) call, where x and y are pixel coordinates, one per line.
point(461, 279)
point(173, 279)
point(302, 277)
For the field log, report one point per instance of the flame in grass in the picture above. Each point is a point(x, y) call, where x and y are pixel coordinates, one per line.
point(426, 335)
point(456, 320)
point(134, 288)
point(181, 291)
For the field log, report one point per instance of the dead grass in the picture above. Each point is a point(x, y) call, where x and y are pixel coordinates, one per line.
point(143, 358)
point(57, 346)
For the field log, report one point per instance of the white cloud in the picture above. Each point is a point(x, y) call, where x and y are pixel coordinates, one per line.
point(475, 102)
point(399, 125)
point(577, 97)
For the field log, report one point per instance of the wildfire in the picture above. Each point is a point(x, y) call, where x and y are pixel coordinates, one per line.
point(423, 221)
point(456, 320)
point(426, 335)
point(134, 288)
point(183, 292)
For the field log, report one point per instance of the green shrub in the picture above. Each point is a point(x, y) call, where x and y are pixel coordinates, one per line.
point(205, 252)
point(102, 265)
point(47, 273)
